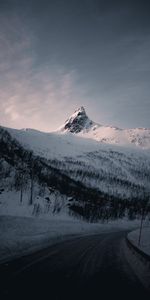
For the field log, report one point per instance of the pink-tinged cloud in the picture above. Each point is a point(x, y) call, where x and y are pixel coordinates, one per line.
point(31, 95)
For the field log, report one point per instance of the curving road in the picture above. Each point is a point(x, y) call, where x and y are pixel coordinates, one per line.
point(89, 267)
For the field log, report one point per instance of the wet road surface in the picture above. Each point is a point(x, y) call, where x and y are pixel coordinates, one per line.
point(87, 267)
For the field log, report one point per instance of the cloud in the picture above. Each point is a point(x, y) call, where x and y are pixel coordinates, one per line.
point(32, 95)
point(32, 100)
point(108, 74)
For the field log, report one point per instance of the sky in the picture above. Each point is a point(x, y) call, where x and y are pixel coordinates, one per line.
point(58, 55)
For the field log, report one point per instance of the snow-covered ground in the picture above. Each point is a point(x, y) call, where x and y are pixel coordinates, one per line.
point(10, 204)
point(56, 145)
point(23, 235)
point(110, 168)
point(145, 239)
point(139, 266)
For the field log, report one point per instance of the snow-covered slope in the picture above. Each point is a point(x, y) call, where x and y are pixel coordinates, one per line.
point(81, 135)
point(114, 171)
point(80, 124)
point(57, 145)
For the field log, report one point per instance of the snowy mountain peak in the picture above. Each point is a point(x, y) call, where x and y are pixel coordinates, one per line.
point(81, 109)
point(77, 122)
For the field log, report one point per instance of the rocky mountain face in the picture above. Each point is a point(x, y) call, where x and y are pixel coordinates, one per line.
point(78, 121)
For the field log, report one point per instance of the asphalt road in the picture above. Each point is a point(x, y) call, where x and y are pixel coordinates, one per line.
point(89, 267)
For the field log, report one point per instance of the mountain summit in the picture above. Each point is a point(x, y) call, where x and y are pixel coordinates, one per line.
point(78, 121)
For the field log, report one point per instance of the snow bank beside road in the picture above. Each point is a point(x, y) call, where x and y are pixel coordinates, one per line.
point(137, 260)
point(23, 235)
point(145, 239)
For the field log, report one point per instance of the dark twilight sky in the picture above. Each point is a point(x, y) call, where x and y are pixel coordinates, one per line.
point(58, 55)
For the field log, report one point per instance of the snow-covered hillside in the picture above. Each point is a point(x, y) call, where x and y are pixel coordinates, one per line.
point(112, 169)
point(80, 124)
point(85, 171)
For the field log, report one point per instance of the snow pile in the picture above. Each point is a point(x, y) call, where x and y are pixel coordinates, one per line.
point(139, 266)
point(145, 239)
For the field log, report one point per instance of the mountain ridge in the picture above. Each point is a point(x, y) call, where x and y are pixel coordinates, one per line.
point(79, 123)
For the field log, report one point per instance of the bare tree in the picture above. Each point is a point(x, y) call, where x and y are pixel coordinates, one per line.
point(31, 166)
